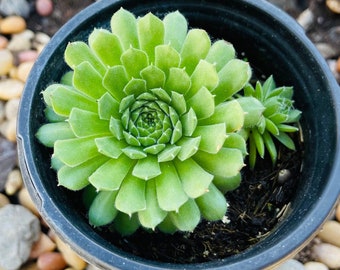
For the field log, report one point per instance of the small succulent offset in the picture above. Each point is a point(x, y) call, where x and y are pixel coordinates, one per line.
point(149, 124)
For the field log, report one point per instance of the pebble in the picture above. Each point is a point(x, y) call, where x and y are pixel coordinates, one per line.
point(19, 230)
point(11, 108)
point(71, 257)
point(338, 65)
point(8, 129)
point(44, 7)
point(11, 88)
point(333, 5)
point(14, 182)
point(12, 25)
point(327, 254)
point(27, 55)
point(330, 233)
point(51, 261)
point(3, 200)
point(3, 42)
point(291, 265)
point(2, 111)
point(315, 266)
point(306, 19)
point(24, 70)
point(337, 212)
point(6, 61)
point(43, 245)
point(17, 7)
point(21, 41)
point(326, 50)
point(8, 159)
point(25, 200)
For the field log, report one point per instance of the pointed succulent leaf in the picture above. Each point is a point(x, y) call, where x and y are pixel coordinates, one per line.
point(107, 107)
point(189, 147)
point(104, 178)
point(195, 179)
point(116, 128)
point(167, 226)
point(110, 146)
point(202, 103)
point(131, 195)
point(154, 149)
point(124, 224)
point(49, 133)
point(166, 57)
point(48, 92)
point(258, 141)
point(178, 103)
point(286, 140)
point(212, 204)
point(124, 25)
point(270, 146)
point(169, 186)
point(225, 184)
point(178, 80)
point(52, 116)
point(189, 121)
point(147, 168)
point(252, 152)
point(195, 47)
point(187, 217)
point(154, 77)
point(175, 29)
point(134, 152)
point(220, 53)
point(212, 137)
point(293, 116)
point(135, 87)
point(253, 109)
point(235, 140)
point(286, 128)
point(67, 78)
point(134, 60)
point(106, 46)
point(115, 80)
point(169, 153)
point(102, 210)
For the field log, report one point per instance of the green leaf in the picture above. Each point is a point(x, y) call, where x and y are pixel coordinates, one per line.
point(169, 188)
point(167, 226)
point(73, 152)
point(64, 99)
point(147, 168)
point(85, 123)
point(220, 53)
point(116, 128)
point(271, 127)
point(169, 153)
point(107, 107)
point(102, 210)
point(76, 178)
point(252, 152)
point(131, 195)
point(286, 128)
point(124, 224)
point(195, 180)
point(115, 80)
point(213, 205)
point(87, 80)
point(270, 146)
point(293, 116)
point(47, 93)
point(52, 116)
point(225, 184)
point(134, 152)
point(176, 133)
point(235, 140)
point(202, 103)
point(258, 141)
point(178, 103)
point(187, 217)
point(204, 75)
point(189, 147)
point(134, 60)
point(154, 149)
point(111, 174)
point(253, 109)
point(232, 78)
point(49, 133)
point(135, 87)
point(124, 25)
point(212, 137)
point(110, 146)
point(153, 214)
point(189, 122)
point(175, 29)
point(178, 80)
point(166, 57)
point(79, 52)
point(106, 46)
point(286, 140)
point(67, 78)
point(150, 31)
point(162, 95)
point(154, 77)
point(195, 47)
point(230, 113)
point(226, 163)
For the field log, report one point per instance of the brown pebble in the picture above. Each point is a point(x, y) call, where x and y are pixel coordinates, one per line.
point(44, 7)
point(8, 129)
point(337, 212)
point(51, 261)
point(26, 201)
point(71, 257)
point(338, 65)
point(12, 25)
point(333, 5)
point(6, 61)
point(24, 70)
point(3, 200)
point(43, 245)
point(3, 42)
point(11, 88)
point(330, 232)
point(14, 182)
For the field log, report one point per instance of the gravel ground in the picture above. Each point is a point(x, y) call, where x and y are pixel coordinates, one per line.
point(25, 28)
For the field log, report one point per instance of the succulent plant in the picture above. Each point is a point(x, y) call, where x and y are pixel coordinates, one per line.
point(146, 123)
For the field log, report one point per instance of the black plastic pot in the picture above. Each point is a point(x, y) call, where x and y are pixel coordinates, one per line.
point(274, 44)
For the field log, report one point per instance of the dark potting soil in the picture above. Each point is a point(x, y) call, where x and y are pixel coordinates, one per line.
point(255, 208)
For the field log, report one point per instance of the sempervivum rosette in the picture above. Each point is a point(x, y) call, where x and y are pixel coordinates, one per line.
point(145, 123)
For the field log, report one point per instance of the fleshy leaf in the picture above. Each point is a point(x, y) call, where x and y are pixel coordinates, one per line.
point(73, 152)
point(111, 174)
point(212, 137)
point(258, 140)
point(79, 52)
point(124, 25)
point(286, 140)
point(49, 133)
point(195, 180)
point(102, 210)
point(153, 214)
point(154, 149)
point(124, 224)
point(147, 168)
point(135, 87)
point(115, 80)
point(67, 78)
point(232, 78)
point(116, 128)
point(131, 195)
point(195, 47)
point(110, 146)
point(169, 186)
point(202, 103)
point(189, 147)
point(87, 80)
point(187, 217)
point(134, 152)
point(178, 80)
point(76, 178)
point(178, 103)
point(153, 76)
point(270, 146)
point(106, 46)
point(134, 60)
point(107, 107)
point(220, 53)
point(166, 57)
point(189, 121)
point(169, 153)
point(253, 109)
point(226, 163)
point(212, 204)
point(225, 184)
point(150, 31)
point(235, 140)
point(175, 29)
point(85, 123)
point(52, 116)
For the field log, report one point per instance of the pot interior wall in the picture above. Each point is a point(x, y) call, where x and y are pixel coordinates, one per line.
point(270, 48)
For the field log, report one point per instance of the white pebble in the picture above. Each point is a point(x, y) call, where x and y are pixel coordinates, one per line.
point(21, 42)
point(11, 108)
point(306, 18)
point(6, 61)
point(9, 129)
point(330, 233)
point(315, 266)
point(11, 88)
point(291, 265)
point(24, 70)
point(327, 254)
point(13, 183)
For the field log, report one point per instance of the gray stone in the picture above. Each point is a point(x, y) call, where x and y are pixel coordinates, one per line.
point(15, 7)
point(19, 230)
